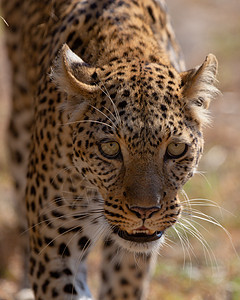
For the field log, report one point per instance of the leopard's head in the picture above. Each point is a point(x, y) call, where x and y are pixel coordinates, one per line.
point(137, 138)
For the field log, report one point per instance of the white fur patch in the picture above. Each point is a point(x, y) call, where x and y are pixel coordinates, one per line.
point(72, 57)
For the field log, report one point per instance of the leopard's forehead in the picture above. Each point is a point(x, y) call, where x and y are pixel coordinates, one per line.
point(144, 87)
point(148, 100)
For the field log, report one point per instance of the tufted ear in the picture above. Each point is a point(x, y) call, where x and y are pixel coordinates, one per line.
point(199, 88)
point(72, 75)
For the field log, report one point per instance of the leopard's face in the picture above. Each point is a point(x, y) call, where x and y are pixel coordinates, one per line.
point(137, 140)
point(134, 144)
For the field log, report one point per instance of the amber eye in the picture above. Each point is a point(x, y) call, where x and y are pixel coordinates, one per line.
point(176, 150)
point(110, 149)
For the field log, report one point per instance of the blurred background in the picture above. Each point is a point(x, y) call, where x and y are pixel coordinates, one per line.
point(203, 265)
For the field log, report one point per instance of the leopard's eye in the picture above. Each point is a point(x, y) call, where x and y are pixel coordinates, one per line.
point(110, 149)
point(176, 150)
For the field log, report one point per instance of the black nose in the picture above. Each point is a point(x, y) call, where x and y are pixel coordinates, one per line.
point(144, 212)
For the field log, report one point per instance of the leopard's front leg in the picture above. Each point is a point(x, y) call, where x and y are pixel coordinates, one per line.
point(57, 263)
point(124, 274)
point(64, 223)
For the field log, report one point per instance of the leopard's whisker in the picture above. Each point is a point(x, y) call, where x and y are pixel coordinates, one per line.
point(78, 216)
point(103, 114)
point(61, 234)
point(205, 203)
point(118, 119)
point(88, 121)
point(96, 233)
point(108, 110)
point(204, 217)
point(208, 252)
point(201, 173)
point(185, 244)
point(187, 200)
point(73, 206)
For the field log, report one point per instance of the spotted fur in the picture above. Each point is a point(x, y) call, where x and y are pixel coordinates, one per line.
point(88, 75)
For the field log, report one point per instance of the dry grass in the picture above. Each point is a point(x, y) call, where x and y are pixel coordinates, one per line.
point(202, 26)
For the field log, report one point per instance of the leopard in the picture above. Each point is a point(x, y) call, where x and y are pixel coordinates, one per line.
point(106, 127)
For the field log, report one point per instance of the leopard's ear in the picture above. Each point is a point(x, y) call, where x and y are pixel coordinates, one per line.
point(72, 75)
point(199, 88)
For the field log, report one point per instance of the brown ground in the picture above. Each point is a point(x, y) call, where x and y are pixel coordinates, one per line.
point(202, 26)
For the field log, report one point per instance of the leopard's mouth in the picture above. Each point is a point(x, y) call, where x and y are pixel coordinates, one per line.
point(139, 236)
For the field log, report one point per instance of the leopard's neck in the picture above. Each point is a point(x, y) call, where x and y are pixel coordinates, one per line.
point(128, 36)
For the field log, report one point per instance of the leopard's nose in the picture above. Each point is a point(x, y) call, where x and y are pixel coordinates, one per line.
point(144, 212)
